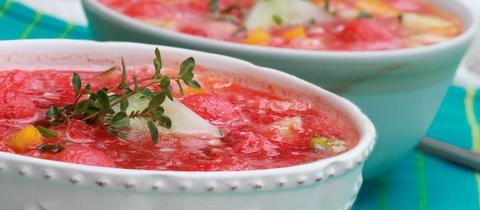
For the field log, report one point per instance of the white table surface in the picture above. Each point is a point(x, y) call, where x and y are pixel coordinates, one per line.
point(71, 10)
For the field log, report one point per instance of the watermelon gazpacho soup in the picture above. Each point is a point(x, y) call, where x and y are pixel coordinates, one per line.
point(301, 24)
point(159, 118)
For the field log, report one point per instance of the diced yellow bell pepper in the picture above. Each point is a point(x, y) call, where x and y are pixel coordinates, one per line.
point(297, 32)
point(320, 3)
point(258, 37)
point(25, 139)
point(192, 91)
point(377, 7)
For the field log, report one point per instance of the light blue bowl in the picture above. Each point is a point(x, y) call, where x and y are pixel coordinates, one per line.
point(400, 90)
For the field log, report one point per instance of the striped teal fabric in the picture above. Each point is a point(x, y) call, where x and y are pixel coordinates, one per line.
point(418, 182)
point(20, 22)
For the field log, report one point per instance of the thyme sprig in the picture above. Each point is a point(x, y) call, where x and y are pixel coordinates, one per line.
point(107, 108)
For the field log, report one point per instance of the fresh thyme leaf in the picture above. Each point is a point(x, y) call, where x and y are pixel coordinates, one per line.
point(168, 92)
point(91, 113)
point(120, 120)
point(186, 72)
point(160, 110)
point(157, 64)
point(165, 86)
point(213, 6)
point(164, 121)
point(158, 56)
point(127, 90)
point(54, 115)
point(105, 88)
point(47, 133)
point(124, 105)
point(193, 84)
point(51, 147)
point(86, 89)
point(156, 101)
point(77, 83)
point(186, 68)
point(123, 82)
point(153, 131)
point(81, 107)
point(93, 96)
point(165, 81)
point(103, 102)
point(277, 19)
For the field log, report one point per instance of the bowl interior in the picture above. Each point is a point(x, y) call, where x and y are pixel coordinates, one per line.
point(81, 55)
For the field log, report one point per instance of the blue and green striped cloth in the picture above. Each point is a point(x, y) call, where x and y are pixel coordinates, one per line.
point(20, 22)
point(418, 182)
point(426, 183)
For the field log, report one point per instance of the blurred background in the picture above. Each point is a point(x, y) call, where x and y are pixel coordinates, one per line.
point(71, 11)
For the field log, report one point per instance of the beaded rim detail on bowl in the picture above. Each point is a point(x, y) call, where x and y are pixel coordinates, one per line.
point(333, 170)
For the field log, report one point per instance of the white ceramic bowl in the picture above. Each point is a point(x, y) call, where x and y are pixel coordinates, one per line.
point(29, 183)
point(400, 90)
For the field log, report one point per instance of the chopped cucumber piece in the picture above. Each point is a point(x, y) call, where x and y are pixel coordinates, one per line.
point(272, 13)
point(185, 122)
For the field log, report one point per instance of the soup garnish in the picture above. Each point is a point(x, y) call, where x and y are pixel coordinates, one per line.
point(112, 109)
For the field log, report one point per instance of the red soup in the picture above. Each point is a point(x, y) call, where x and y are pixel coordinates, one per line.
point(301, 24)
point(260, 130)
